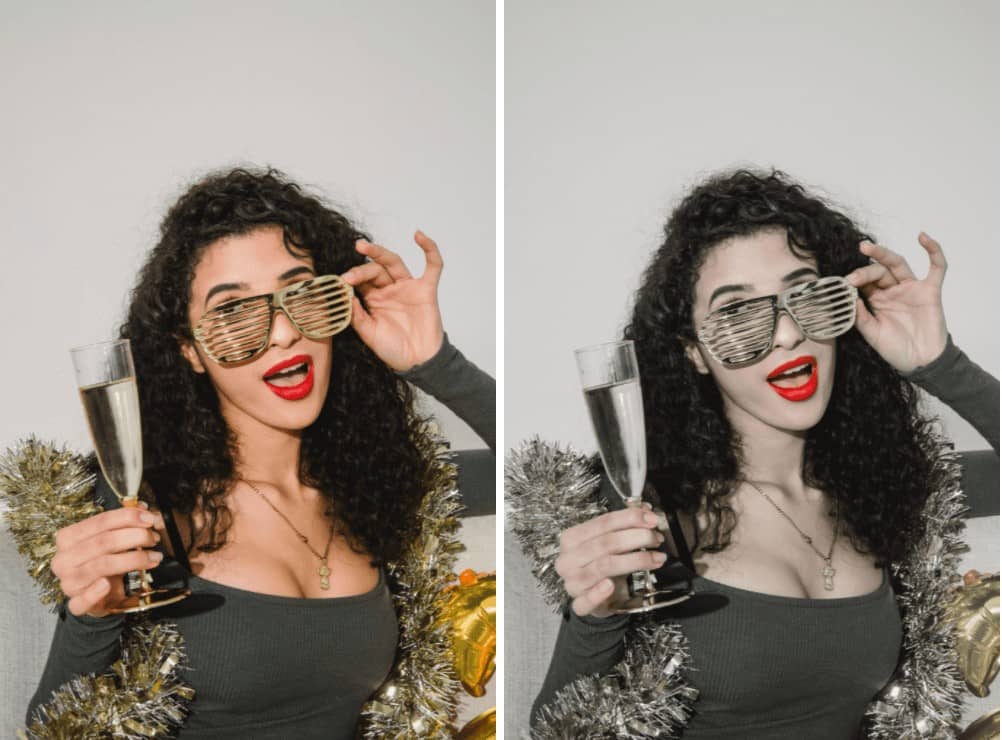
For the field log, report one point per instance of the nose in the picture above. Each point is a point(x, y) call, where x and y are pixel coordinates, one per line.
point(788, 334)
point(283, 332)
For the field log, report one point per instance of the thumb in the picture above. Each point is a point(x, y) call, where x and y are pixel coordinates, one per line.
point(866, 323)
point(361, 321)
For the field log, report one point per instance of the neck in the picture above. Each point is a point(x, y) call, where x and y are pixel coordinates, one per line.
point(771, 455)
point(269, 455)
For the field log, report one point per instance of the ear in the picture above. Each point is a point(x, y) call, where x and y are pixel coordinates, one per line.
point(695, 356)
point(191, 355)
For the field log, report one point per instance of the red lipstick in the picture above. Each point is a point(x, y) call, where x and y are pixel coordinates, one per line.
point(291, 392)
point(800, 392)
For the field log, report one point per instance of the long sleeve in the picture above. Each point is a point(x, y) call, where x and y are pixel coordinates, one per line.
point(468, 392)
point(80, 644)
point(585, 645)
point(974, 394)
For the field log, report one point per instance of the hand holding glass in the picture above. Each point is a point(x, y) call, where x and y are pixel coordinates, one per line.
point(107, 381)
point(611, 384)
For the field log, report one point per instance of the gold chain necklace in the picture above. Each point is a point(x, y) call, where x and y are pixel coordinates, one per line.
point(828, 571)
point(323, 571)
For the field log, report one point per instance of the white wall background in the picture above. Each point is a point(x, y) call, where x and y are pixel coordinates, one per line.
point(111, 110)
point(614, 110)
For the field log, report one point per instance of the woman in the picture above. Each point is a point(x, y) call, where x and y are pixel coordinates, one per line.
point(790, 444)
point(283, 472)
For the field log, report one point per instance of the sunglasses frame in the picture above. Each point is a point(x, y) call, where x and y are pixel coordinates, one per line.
point(276, 301)
point(780, 303)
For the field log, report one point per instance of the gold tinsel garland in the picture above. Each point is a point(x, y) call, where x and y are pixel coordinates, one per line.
point(419, 698)
point(141, 695)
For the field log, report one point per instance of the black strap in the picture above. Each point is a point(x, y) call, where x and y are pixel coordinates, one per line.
point(180, 554)
point(680, 544)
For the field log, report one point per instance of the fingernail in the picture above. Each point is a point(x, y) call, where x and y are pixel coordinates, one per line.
point(156, 537)
point(144, 505)
point(651, 518)
point(148, 518)
point(659, 558)
point(661, 538)
point(647, 505)
point(155, 556)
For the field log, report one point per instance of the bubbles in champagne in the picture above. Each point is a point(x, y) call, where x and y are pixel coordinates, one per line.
point(617, 415)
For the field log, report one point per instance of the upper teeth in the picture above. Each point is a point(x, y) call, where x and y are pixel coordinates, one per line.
point(793, 370)
point(289, 370)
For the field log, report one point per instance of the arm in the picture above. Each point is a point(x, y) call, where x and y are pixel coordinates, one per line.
point(974, 394)
point(80, 644)
point(463, 387)
point(585, 645)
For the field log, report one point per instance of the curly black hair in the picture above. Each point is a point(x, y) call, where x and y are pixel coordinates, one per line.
point(362, 452)
point(868, 452)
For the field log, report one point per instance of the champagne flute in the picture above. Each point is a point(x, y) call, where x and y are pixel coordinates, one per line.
point(611, 384)
point(106, 378)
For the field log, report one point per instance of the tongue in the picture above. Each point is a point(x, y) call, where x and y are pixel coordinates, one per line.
point(795, 380)
point(283, 380)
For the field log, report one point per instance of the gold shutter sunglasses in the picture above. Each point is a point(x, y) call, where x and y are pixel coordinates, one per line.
point(740, 333)
point(237, 331)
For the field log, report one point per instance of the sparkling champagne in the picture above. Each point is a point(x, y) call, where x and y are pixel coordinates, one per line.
point(112, 411)
point(617, 415)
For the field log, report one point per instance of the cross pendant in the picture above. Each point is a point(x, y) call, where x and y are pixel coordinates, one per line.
point(324, 572)
point(829, 573)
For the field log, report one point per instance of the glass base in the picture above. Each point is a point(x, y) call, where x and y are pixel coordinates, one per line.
point(142, 602)
point(651, 601)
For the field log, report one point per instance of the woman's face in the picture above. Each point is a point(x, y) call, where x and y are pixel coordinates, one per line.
point(751, 267)
point(250, 265)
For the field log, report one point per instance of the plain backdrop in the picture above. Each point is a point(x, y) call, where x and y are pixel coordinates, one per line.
point(614, 110)
point(111, 109)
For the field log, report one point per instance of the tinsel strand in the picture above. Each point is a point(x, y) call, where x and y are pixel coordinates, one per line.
point(419, 699)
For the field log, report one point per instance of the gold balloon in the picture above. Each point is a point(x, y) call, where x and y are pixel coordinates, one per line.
point(471, 609)
point(482, 727)
point(983, 728)
point(974, 612)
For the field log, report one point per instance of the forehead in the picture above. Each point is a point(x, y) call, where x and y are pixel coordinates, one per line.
point(760, 261)
point(256, 258)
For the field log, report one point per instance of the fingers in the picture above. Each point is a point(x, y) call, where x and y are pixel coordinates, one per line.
point(109, 541)
point(68, 537)
point(580, 580)
point(365, 277)
point(433, 263)
point(871, 278)
point(630, 517)
point(937, 260)
point(86, 601)
point(110, 565)
point(624, 540)
point(594, 598)
point(866, 324)
point(389, 259)
point(893, 261)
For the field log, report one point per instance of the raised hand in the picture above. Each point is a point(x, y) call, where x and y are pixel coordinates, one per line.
point(401, 321)
point(596, 556)
point(907, 325)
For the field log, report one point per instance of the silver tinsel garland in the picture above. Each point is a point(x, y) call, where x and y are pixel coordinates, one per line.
point(924, 698)
point(549, 489)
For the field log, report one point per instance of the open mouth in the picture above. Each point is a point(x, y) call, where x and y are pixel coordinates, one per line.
point(291, 379)
point(796, 380)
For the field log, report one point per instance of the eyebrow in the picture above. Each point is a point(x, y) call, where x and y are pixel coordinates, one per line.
point(746, 288)
point(294, 272)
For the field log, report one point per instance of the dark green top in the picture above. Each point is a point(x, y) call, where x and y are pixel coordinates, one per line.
point(276, 667)
point(780, 668)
